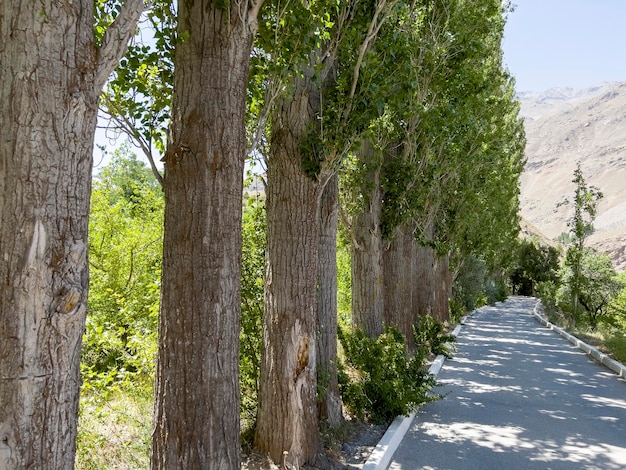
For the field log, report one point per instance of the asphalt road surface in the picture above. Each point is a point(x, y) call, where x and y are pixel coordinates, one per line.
point(517, 397)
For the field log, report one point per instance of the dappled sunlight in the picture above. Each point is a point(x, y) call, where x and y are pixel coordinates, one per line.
point(567, 372)
point(467, 401)
point(477, 362)
point(604, 402)
point(517, 395)
point(471, 386)
point(495, 375)
point(496, 438)
point(516, 439)
point(557, 414)
point(579, 451)
point(571, 351)
point(460, 369)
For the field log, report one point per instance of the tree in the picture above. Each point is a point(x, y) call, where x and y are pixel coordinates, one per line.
point(197, 384)
point(53, 69)
point(598, 285)
point(451, 159)
point(535, 263)
point(308, 138)
point(138, 96)
point(585, 205)
point(329, 400)
point(125, 247)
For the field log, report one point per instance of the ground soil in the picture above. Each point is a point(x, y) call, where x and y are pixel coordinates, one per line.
point(347, 449)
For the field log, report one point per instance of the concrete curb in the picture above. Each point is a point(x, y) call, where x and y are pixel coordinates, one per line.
point(381, 456)
point(592, 352)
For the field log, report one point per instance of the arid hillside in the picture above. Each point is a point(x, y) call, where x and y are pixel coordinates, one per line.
point(563, 127)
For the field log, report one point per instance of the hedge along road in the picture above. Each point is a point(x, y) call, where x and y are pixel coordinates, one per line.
point(518, 396)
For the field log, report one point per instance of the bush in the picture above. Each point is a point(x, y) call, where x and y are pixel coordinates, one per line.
point(120, 341)
point(588, 293)
point(377, 381)
point(468, 290)
point(431, 337)
point(253, 267)
point(125, 245)
point(496, 290)
point(617, 346)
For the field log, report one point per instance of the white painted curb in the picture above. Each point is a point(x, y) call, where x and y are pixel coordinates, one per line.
point(381, 456)
point(592, 352)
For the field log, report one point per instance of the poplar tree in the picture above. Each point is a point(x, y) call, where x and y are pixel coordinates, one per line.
point(55, 60)
point(196, 422)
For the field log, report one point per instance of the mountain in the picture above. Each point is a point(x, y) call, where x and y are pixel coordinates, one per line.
point(566, 126)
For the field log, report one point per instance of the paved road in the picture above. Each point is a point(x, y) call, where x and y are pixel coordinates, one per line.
point(518, 396)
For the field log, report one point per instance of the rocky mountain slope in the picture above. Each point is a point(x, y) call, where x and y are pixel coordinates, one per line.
point(563, 127)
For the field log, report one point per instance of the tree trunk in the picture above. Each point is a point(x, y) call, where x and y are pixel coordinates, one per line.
point(329, 400)
point(196, 423)
point(442, 288)
point(287, 419)
point(398, 281)
point(50, 79)
point(433, 284)
point(425, 277)
point(366, 251)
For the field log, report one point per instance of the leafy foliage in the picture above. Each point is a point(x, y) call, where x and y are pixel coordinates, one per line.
point(253, 267)
point(535, 264)
point(585, 205)
point(430, 336)
point(119, 344)
point(377, 381)
point(468, 290)
point(344, 278)
point(114, 431)
point(597, 286)
point(125, 260)
point(137, 97)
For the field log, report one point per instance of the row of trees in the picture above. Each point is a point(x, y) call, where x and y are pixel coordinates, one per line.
point(397, 117)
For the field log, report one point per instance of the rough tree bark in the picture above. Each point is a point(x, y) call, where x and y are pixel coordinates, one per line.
point(432, 289)
point(399, 280)
point(366, 250)
point(51, 75)
point(329, 400)
point(196, 423)
point(424, 292)
point(287, 423)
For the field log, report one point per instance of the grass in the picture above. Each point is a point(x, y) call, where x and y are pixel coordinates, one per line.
point(607, 341)
point(114, 430)
point(617, 345)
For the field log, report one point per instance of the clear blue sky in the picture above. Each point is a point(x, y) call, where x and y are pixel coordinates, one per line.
point(566, 43)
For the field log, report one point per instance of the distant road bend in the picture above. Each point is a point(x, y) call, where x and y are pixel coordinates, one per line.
point(517, 397)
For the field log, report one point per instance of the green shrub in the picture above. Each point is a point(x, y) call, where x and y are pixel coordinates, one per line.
point(457, 310)
point(125, 245)
point(496, 290)
point(431, 337)
point(617, 346)
point(547, 293)
point(120, 341)
point(377, 381)
point(253, 267)
point(469, 287)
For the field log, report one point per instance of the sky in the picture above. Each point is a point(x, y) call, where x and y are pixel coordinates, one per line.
point(565, 43)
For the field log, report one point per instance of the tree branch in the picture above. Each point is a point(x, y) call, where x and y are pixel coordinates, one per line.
point(383, 9)
point(127, 127)
point(253, 14)
point(115, 40)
